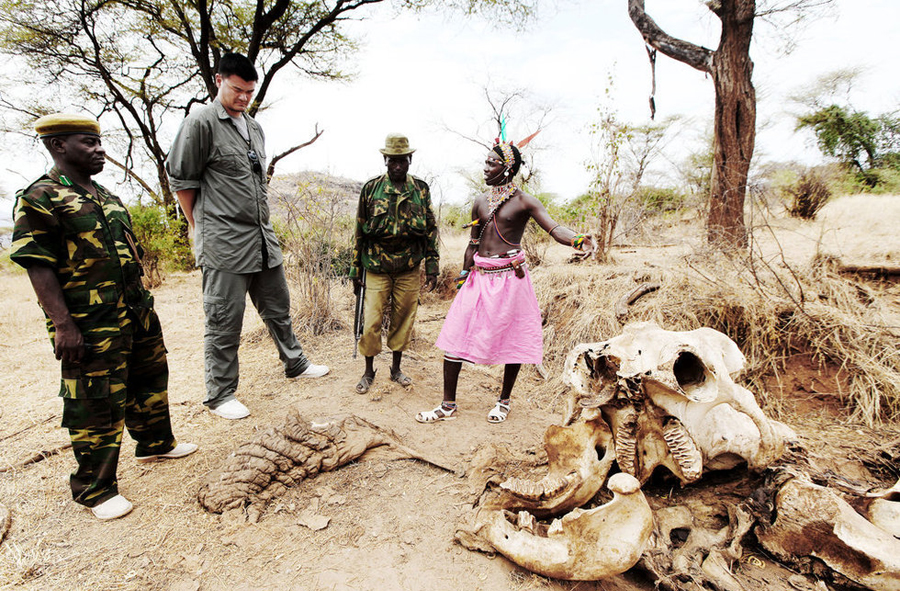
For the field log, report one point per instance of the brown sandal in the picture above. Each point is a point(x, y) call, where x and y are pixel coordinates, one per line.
point(401, 378)
point(364, 383)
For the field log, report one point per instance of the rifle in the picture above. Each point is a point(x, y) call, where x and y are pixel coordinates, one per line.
point(359, 313)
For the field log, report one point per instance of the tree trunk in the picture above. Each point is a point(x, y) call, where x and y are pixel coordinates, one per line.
point(731, 69)
point(735, 124)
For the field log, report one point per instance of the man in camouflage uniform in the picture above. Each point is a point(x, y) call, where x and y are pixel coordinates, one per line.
point(75, 239)
point(395, 230)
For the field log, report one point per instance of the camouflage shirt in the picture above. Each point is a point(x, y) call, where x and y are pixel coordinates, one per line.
point(395, 229)
point(87, 241)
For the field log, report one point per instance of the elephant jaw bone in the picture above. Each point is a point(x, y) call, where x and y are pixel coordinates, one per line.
point(575, 474)
point(583, 545)
point(813, 521)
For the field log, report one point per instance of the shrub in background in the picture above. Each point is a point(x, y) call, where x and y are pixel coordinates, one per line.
point(660, 199)
point(314, 221)
point(163, 240)
point(807, 195)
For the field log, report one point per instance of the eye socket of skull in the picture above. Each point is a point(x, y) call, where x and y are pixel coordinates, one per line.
point(689, 370)
point(603, 367)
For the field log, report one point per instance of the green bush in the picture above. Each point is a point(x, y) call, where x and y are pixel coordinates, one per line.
point(163, 240)
point(660, 199)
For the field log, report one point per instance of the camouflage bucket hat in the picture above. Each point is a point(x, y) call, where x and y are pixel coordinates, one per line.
point(396, 144)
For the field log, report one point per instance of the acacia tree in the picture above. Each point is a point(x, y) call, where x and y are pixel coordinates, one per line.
point(148, 62)
point(731, 69)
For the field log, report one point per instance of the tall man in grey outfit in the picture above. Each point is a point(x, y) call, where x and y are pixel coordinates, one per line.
point(217, 169)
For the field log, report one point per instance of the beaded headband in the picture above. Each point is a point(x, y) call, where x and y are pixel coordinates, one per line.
point(505, 150)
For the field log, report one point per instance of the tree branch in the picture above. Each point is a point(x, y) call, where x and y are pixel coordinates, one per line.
point(699, 58)
point(270, 170)
point(129, 172)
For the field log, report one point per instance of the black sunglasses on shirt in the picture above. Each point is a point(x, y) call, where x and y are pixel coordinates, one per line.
point(254, 161)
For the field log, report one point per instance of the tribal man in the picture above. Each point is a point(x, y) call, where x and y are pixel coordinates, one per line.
point(495, 316)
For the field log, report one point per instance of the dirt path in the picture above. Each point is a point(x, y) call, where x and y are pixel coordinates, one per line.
point(391, 523)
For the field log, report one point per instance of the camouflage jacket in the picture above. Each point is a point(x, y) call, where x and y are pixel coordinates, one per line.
point(395, 229)
point(87, 241)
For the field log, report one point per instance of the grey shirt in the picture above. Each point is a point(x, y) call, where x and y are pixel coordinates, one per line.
point(231, 211)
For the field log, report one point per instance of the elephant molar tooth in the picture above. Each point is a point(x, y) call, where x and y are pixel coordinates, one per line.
point(683, 449)
point(554, 486)
point(525, 489)
point(626, 444)
point(526, 521)
point(547, 488)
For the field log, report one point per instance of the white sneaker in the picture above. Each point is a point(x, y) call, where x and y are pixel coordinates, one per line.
point(231, 410)
point(179, 451)
point(113, 508)
point(314, 371)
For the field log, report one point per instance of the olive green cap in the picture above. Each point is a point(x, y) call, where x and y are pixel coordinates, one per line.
point(66, 124)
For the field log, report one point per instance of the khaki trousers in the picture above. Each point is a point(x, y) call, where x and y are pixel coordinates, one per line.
point(403, 291)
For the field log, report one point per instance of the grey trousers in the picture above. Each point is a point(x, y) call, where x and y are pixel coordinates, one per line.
point(224, 301)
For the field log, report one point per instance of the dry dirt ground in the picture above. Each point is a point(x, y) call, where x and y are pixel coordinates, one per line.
point(390, 524)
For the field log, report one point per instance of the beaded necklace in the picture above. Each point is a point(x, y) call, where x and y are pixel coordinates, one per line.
point(497, 196)
point(500, 193)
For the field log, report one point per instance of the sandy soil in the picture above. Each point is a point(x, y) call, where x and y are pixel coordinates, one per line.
point(390, 523)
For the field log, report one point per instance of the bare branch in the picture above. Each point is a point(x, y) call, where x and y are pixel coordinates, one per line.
point(130, 173)
point(270, 170)
point(697, 57)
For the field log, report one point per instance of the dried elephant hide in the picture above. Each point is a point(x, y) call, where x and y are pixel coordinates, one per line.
point(281, 457)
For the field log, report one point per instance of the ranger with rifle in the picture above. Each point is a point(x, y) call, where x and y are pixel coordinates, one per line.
point(395, 231)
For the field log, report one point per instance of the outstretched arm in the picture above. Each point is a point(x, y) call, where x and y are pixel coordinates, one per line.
point(558, 232)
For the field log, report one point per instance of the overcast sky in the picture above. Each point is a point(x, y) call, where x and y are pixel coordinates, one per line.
point(424, 76)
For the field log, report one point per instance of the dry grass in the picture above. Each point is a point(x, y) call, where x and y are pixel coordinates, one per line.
point(772, 304)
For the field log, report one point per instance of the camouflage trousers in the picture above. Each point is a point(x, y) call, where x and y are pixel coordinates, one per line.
point(121, 382)
point(402, 290)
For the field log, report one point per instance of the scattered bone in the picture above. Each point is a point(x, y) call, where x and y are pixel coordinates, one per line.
point(814, 522)
point(583, 545)
point(645, 399)
point(675, 403)
point(36, 457)
point(633, 296)
point(574, 461)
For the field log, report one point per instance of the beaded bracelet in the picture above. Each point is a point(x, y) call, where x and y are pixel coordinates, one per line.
point(461, 280)
point(578, 240)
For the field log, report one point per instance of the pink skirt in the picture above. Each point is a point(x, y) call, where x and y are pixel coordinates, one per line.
point(494, 318)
